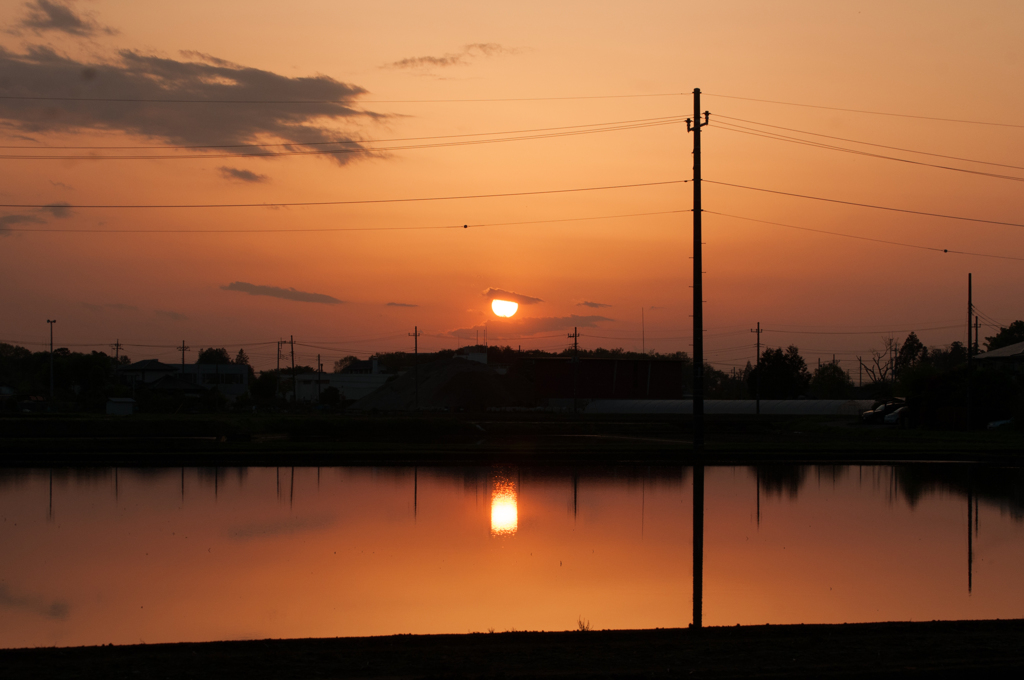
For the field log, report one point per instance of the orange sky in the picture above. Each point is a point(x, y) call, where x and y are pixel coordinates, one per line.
point(921, 58)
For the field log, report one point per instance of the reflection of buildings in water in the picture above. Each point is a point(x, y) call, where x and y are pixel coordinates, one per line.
point(504, 505)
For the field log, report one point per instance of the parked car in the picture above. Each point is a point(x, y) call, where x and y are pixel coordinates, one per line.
point(897, 417)
point(878, 414)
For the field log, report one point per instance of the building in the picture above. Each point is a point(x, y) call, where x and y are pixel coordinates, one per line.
point(351, 386)
point(231, 380)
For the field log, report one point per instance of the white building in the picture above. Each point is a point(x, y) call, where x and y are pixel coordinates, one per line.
point(351, 386)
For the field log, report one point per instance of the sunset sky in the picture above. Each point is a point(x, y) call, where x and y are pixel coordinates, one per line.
point(356, 278)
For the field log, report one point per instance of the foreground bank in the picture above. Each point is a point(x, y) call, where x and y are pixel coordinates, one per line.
point(882, 650)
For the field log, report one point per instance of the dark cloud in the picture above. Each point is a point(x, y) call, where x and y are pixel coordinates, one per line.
point(292, 525)
point(461, 58)
point(173, 316)
point(55, 609)
point(241, 175)
point(59, 209)
point(42, 72)
point(401, 304)
point(283, 293)
point(110, 305)
point(593, 305)
point(43, 15)
point(499, 328)
point(499, 294)
point(61, 185)
point(6, 221)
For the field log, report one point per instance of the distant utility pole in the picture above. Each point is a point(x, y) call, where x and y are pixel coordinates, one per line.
point(575, 337)
point(183, 348)
point(117, 347)
point(757, 369)
point(51, 322)
point(415, 335)
point(694, 126)
point(970, 354)
point(977, 347)
point(294, 394)
point(319, 372)
point(643, 332)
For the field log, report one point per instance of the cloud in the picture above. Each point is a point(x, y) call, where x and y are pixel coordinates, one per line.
point(56, 609)
point(241, 175)
point(7, 220)
point(500, 328)
point(120, 307)
point(401, 304)
point(593, 305)
point(173, 316)
point(283, 293)
point(42, 72)
point(461, 58)
point(44, 15)
point(61, 185)
point(498, 293)
point(59, 209)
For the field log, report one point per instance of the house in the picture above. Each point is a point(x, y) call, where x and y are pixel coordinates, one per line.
point(232, 380)
point(120, 406)
point(351, 386)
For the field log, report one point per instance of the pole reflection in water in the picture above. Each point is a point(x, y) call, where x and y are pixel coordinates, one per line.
point(504, 505)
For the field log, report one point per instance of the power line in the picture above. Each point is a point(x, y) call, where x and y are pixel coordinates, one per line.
point(731, 127)
point(330, 152)
point(351, 141)
point(866, 238)
point(323, 203)
point(908, 330)
point(342, 102)
point(881, 146)
point(338, 229)
point(865, 205)
point(874, 113)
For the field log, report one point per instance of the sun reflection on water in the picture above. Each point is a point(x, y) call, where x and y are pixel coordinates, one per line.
point(504, 507)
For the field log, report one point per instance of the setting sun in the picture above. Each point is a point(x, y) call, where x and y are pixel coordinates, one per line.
point(504, 308)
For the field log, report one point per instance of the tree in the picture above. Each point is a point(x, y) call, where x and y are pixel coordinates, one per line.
point(910, 353)
point(783, 374)
point(831, 382)
point(341, 364)
point(1006, 336)
point(212, 355)
point(242, 358)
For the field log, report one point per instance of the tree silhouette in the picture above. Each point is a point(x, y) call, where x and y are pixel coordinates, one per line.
point(212, 355)
point(783, 374)
point(1006, 336)
point(831, 382)
point(242, 358)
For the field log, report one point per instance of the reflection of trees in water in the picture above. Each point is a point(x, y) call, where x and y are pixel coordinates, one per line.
point(780, 479)
point(996, 486)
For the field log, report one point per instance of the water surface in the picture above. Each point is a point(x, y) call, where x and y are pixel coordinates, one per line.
point(123, 556)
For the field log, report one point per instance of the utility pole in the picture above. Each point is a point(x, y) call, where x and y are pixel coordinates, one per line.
point(51, 322)
point(294, 395)
point(575, 337)
point(977, 347)
point(643, 332)
point(415, 335)
point(757, 369)
point(117, 347)
point(183, 348)
point(970, 354)
point(694, 126)
point(319, 372)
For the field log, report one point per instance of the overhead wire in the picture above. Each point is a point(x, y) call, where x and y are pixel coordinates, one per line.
point(865, 111)
point(867, 238)
point(342, 102)
point(68, 206)
point(864, 205)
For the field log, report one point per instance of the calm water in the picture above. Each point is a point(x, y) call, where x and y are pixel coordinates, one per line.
point(123, 556)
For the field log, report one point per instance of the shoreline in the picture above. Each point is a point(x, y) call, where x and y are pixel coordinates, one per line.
point(897, 649)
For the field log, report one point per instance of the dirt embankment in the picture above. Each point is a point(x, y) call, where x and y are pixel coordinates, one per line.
point(959, 649)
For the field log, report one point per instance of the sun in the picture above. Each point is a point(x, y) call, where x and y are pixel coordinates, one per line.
point(504, 308)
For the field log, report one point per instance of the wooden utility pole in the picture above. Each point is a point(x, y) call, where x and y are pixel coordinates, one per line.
point(294, 394)
point(575, 337)
point(183, 348)
point(416, 359)
point(694, 125)
point(970, 354)
point(757, 370)
point(51, 322)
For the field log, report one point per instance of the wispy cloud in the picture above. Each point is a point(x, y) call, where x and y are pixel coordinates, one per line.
point(499, 294)
point(7, 221)
point(167, 314)
point(401, 304)
point(44, 15)
point(116, 306)
point(241, 175)
point(61, 185)
point(58, 209)
point(463, 57)
point(54, 609)
point(283, 293)
point(10, 222)
point(43, 72)
point(593, 305)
